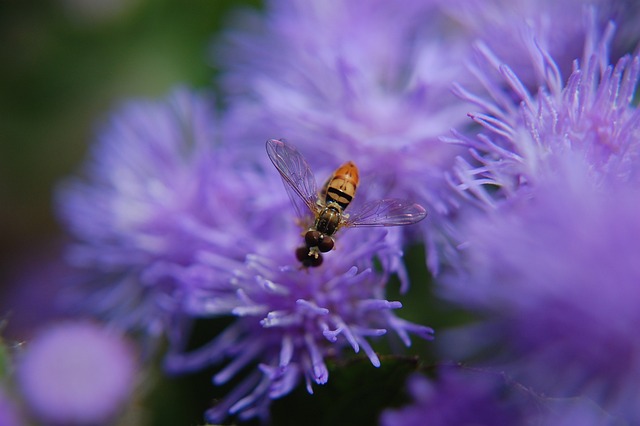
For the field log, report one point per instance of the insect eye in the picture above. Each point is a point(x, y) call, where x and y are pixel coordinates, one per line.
point(312, 238)
point(325, 244)
point(302, 253)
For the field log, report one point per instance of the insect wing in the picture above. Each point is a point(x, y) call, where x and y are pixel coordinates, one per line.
point(296, 175)
point(388, 212)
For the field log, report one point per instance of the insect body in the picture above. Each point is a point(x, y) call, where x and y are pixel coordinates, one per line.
point(322, 213)
point(335, 197)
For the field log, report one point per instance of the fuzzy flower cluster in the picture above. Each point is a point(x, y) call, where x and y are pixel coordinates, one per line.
point(590, 114)
point(455, 399)
point(171, 225)
point(289, 320)
point(579, 284)
point(551, 251)
point(495, 21)
point(465, 397)
point(146, 185)
point(374, 85)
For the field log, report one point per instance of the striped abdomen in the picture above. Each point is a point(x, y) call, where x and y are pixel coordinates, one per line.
point(341, 186)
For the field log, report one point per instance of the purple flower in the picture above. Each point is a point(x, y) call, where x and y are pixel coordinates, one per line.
point(558, 27)
point(171, 225)
point(551, 255)
point(458, 398)
point(462, 396)
point(591, 113)
point(76, 373)
point(556, 271)
point(148, 180)
point(373, 86)
point(289, 320)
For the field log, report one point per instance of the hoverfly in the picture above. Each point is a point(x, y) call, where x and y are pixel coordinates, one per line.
point(323, 213)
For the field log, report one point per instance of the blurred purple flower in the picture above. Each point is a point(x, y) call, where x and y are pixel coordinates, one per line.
point(372, 86)
point(149, 177)
point(462, 396)
point(288, 319)
point(76, 373)
point(552, 253)
point(557, 27)
point(557, 270)
point(456, 398)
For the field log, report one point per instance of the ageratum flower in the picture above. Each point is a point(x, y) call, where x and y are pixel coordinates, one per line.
point(286, 319)
point(591, 112)
point(76, 373)
point(148, 181)
point(355, 80)
point(552, 252)
point(556, 272)
point(460, 396)
point(495, 21)
point(456, 398)
point(170, 223)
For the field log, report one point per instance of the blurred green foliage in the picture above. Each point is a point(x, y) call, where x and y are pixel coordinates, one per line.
point(5, 360)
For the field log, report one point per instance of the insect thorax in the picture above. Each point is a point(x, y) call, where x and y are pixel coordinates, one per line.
point(329, 219)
